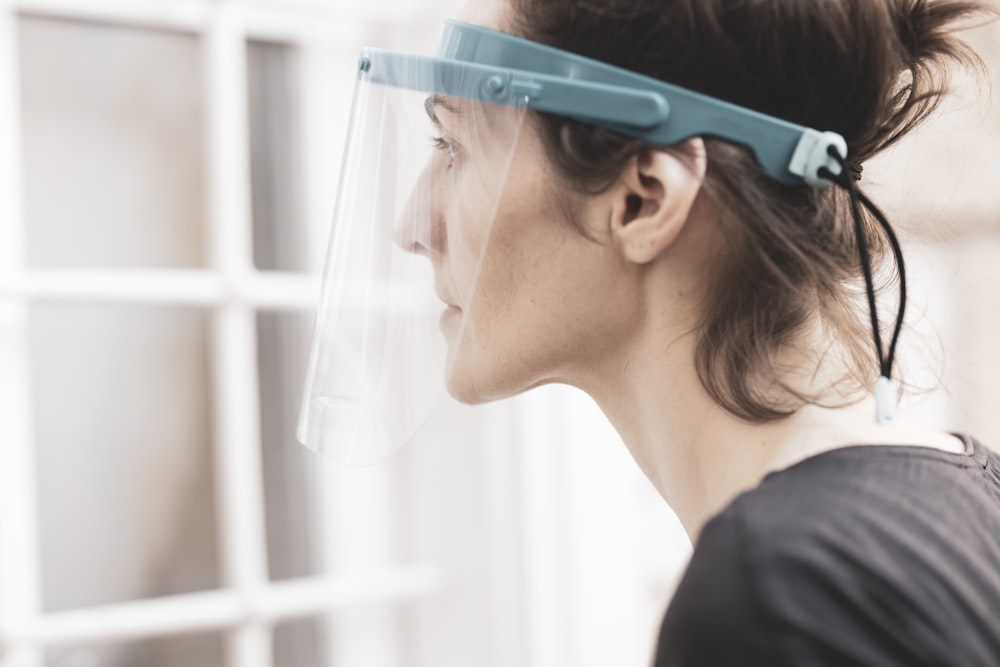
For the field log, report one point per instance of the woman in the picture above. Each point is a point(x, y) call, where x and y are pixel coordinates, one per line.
point(712, 311)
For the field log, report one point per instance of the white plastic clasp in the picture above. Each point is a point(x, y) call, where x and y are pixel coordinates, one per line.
point(886, 401)
point(812, 154)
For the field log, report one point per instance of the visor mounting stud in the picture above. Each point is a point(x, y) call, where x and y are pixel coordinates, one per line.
point(364, 64)
point(495, 86)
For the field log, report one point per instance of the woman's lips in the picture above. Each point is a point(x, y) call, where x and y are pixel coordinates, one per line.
point(444, 298)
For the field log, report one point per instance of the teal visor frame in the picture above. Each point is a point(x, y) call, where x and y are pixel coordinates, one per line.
point(477, 63)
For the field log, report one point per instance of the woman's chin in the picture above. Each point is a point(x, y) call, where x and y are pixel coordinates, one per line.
point(464, 391)
point(476, 388)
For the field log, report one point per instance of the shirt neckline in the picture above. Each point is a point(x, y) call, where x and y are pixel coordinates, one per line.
point(975, 453)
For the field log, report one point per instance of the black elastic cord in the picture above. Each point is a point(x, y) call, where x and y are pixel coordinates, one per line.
point(855, 170)
point(846, 180)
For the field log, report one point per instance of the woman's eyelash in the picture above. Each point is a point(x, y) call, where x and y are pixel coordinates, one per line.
point(443, 145)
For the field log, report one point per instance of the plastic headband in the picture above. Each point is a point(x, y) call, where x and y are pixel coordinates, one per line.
point(481, 64)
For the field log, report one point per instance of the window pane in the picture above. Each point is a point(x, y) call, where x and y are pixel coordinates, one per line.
point(300, 643)
point(293, 520)
point(274, 157)
point(112, 146)
point(123, 429)
point(199, 650)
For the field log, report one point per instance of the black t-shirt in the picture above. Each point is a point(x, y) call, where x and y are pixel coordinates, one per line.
point(869, 555)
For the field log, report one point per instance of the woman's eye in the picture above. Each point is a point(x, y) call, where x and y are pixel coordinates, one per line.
point(444, 146)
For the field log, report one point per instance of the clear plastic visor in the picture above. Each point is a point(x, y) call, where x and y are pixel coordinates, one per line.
point(424, 172)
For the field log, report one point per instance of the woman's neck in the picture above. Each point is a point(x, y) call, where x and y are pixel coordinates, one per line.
point(698, 456)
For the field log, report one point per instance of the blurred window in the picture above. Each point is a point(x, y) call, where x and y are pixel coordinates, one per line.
point(164, 312)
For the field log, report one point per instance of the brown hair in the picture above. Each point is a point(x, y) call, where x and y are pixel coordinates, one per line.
point(871, 70)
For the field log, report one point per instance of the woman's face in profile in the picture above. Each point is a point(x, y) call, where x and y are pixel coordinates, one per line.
point(528, 297)
point(471, 197)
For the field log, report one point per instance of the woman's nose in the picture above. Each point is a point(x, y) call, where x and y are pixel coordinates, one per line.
point(420, 229)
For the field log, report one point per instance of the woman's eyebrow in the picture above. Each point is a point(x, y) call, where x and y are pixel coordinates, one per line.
point(437, 101)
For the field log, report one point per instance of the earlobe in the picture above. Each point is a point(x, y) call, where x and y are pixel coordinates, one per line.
point(654, 198)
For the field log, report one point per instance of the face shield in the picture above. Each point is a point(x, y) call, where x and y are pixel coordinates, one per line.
point(428, 183)
point(423, 179)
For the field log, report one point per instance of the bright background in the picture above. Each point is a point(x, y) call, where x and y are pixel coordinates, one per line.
point(167, 176)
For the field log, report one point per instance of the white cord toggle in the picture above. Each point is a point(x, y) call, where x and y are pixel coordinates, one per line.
point(886, 401)
point(811, 155)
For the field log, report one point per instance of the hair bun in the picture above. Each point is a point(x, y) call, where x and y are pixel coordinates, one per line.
point(924, 29)
point(927, 42)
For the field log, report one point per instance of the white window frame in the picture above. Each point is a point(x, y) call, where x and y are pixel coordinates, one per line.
point(248, 604)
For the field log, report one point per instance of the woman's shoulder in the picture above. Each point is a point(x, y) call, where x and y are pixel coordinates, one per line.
point(843, 547)
point(853, 490)
point(868, 508)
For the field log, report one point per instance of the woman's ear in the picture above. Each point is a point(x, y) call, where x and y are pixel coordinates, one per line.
point(654, 198)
